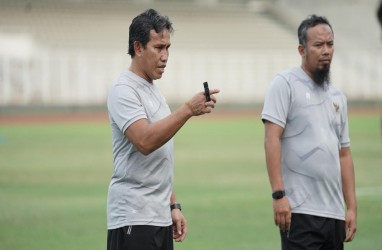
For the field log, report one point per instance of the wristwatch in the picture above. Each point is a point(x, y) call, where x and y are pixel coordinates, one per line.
point(278, 194)
point(176, 206)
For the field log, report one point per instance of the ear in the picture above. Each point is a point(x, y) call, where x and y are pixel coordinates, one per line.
point(301, 50)
point(137, 48)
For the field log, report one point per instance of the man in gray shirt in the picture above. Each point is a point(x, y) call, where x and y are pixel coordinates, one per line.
point(307, 148)
point(142, 210)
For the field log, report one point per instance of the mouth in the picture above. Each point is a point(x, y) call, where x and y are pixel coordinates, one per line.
point(325, 60)
point(161, 68)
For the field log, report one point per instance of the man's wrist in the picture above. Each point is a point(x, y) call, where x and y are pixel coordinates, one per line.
point(189, 108)
point(176, 206)
point(278, 194)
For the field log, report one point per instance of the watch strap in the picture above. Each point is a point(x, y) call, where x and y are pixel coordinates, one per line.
point(278, 194)
point(176, 206)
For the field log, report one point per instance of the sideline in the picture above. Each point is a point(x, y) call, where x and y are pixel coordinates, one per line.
point(53, 118)
point(369, 191)
point(102, 116)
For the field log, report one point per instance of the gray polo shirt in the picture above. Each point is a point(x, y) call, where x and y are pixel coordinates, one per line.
point(315, 129)
point(141, 186)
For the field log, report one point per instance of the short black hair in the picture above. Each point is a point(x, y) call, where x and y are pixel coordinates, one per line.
point(142, 25)
point(379, 13)
point(309, 22)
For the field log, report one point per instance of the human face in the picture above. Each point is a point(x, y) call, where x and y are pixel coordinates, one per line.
point(318, 51)
point(155, 55)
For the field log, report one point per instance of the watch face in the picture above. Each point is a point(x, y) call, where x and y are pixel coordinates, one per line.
point(278, 194)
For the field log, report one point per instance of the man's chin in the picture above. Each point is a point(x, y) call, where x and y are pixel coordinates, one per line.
point(321, 76)
point(158, 75)
point(325, 68)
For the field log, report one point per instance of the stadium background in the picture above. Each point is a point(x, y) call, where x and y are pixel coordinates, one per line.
point(60, 58)
point(67, 53)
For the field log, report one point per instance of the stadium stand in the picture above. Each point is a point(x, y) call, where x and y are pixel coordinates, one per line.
point(68, 52)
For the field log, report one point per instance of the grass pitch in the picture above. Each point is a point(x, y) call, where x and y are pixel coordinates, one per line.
point(54, 180)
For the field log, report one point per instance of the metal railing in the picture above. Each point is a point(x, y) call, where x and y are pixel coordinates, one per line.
point(84, 78)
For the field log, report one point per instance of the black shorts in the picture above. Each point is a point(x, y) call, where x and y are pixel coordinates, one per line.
point(309, 232)
point(140, 238)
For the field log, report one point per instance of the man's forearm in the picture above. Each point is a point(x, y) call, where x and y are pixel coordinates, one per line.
point(272, 145)
point(273, 160)
point(348, 178)
point(172, 198)
point(149, 137)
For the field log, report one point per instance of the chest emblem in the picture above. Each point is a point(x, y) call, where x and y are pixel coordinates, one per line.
point(336, 107)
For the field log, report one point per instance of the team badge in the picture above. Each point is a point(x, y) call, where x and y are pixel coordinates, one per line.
point(336, 107)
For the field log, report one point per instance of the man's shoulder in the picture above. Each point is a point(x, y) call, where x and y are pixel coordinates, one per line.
point(290, 71)
point(127, 79)
point(289, 77)
point(291, 74)
point(126, 84)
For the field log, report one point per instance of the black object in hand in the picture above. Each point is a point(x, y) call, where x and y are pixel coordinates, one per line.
point(207, 91)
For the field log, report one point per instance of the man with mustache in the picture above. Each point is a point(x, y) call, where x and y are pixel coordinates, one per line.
point(307, 148)
point(142, 210)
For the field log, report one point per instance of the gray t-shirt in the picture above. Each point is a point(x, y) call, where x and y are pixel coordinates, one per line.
point(315, 129)
point(141, 186)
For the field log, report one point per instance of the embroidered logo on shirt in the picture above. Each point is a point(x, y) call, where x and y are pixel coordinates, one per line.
point(336, 107)
point(307, 96)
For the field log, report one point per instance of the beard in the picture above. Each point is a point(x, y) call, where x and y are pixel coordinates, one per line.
point(320, 76)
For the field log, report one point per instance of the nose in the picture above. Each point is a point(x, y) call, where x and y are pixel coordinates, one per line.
point(326, 50)
point(164, 55)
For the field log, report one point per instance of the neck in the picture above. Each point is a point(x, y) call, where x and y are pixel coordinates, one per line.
point(136, 70)
point(307, 71)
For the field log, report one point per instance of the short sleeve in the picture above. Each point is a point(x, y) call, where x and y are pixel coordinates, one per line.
point(345, 139)
point(277, 102)
point(124, 106)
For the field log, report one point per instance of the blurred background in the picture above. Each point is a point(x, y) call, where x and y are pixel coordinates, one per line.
point(66, 53)
point(60, 57)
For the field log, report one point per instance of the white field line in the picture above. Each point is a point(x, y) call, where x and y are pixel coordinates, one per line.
point(369, 191)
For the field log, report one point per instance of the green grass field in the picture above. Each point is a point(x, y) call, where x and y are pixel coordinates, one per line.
point(54, 180)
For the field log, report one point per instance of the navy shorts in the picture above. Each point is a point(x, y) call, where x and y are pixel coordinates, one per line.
point(308, 232)
point(140, 238)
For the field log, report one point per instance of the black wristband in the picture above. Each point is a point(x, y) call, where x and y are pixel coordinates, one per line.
point(176, 206)
point(278, 194)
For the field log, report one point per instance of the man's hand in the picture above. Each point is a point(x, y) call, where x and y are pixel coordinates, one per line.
point(282, 213)
point(179, 225)
point(198, 104)
point(351, 225)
